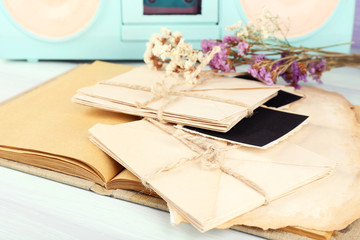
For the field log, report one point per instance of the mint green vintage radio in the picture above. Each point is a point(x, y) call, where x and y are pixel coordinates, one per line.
point(119, 29)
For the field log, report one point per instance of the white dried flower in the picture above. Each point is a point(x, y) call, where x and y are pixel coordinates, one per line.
point(234, 27)
point(243, 32)
point(189, 64)
point(154, 37)
point(263, 29)
point(177, 34)
point(188, 77)
point(179, 55)
point(165, 32)
point(200, 56)
point(171, 67)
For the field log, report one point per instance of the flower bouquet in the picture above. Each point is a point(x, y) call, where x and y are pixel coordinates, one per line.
point(262, 45)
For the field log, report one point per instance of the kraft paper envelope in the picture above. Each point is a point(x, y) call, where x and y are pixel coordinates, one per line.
point(216, 104)
point(207, 197)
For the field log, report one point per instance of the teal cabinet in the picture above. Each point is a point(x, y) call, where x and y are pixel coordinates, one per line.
point(119, 29)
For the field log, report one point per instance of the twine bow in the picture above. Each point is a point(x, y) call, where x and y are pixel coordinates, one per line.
point(209, 154)
point(161, 91)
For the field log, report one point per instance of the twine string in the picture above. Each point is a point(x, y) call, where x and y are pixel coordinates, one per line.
point(209, 155)
point(161, 91)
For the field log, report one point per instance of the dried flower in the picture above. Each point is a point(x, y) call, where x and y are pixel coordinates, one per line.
point(234, 27)
point(230, 39)
point(243, 48)
point(278, 59)
point(171, 49)
point(207, 45)
point(220, 60)
point(316, 69)
point(260, 69)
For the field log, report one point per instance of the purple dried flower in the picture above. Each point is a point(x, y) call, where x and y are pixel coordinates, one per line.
point(266, 76)
point(253, 72)
point(317, 79)
point(321, 66)
point(276, 67)
point(316, 69)
point(243, 48)
point(286, 77)
point(312, 67)
point(259, 57)
point(230, 39)
point(219, 61)
point(207, 45)
point(297, 74)
point(259, 72)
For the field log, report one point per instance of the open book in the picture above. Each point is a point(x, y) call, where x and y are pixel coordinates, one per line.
point(44, 128)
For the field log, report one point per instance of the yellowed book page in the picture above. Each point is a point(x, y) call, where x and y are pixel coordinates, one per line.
point(24, 152)
point(45, 120)
point(126, 180)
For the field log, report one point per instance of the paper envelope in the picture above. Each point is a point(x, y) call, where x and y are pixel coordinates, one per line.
point(208, 105)
point(206, 196)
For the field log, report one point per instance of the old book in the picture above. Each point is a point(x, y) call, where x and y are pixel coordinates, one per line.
point(44, 128)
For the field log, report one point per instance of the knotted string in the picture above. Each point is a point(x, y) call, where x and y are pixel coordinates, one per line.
point(161, 91)
point(209, 155)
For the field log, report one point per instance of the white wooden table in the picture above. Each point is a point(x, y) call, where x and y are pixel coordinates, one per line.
point(35, 208)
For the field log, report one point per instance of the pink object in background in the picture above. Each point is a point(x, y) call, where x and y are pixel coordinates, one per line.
point(52, 18)
point(356, 33)
point(301, 17)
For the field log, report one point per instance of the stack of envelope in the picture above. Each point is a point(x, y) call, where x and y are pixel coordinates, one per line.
point(216, 104)
point(207, 181)
point(205, 194)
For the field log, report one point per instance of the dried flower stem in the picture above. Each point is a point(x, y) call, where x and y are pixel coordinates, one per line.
point(251, 44)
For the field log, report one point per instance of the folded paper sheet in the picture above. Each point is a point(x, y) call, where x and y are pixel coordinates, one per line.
point(207, 189)
point(216, 104)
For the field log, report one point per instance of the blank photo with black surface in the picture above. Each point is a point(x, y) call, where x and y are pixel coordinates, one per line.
point(263, 129)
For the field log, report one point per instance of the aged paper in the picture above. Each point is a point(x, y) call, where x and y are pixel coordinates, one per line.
point(44, 128)
point(208, 196)
point(331, 203)
point(208, 105)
